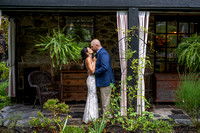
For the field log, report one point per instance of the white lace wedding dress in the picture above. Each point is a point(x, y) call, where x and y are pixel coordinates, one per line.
point(91, 107)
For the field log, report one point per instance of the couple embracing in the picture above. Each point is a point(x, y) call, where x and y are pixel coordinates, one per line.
point(100, 76)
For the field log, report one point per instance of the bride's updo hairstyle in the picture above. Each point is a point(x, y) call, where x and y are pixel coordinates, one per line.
point(84, 55)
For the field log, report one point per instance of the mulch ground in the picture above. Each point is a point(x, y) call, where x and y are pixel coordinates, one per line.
point(111, 129)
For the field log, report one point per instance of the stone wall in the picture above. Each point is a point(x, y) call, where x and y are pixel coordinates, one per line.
point(105, 31)
point(31, 25)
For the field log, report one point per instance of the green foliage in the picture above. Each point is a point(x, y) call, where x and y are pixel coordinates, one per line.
point(188, 94)
point(4, 29)
point(55, 107)
point(98, 125)
point(62, 48)
point(71, 129)
point(54, 122)
point(4, 70)
point(4, 99)
point(188, 52)
point(3, 85)
point(133, 121)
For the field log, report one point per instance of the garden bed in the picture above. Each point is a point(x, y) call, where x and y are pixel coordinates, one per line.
point(109, 129)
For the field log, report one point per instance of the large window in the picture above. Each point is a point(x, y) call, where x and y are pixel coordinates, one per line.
point(169, 31)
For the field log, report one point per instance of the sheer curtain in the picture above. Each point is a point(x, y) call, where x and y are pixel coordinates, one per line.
point(143, 24)
point(11, 58)
point(122, 25)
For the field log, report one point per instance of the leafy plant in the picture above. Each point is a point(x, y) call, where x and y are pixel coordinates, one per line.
point(3, 85)
point(188, 52)
point(188, 94)
point(4, 70)
point(62, 48)
point(54, 122)
point(71, 129)
point(4, 99)
point(133, 121)
point(98, 126)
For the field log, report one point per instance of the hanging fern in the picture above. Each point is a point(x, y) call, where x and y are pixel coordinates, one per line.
point(188, 52)
point(62, 48)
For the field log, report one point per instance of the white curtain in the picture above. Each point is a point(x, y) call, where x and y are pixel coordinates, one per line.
point(122, 25)
point(143, 24)
point(11, 58)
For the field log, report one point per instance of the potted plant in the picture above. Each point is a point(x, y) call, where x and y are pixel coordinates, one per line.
point(188, 52)
point(63, 48)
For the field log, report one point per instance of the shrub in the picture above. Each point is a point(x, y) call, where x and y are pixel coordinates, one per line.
point(54, 123)
point(188, 94)
point(4, 71)
point(4, 99)
point(3, 86)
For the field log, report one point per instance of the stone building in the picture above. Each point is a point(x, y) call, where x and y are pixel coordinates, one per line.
point(169, 20)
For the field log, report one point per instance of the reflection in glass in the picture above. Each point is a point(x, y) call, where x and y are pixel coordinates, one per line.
point(160, 27)
point(160, 67)
point(183, 27)
point(171, 67)
point(160, 40)
point(171, 40)
point(160, 54)
point(193, 27)
point(181, 36)
point(171, 54)
point(172, 27)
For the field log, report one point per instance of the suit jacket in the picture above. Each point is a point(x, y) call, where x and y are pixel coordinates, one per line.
point(103, 72)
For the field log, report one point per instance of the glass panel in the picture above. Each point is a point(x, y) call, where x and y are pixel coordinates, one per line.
point(172, 40)
point(160, 67)
point(160, 27)
point(172, 27)
point(193, 27)
point(183, 27)
point(172, 67)
point(160, 40)
point(160, 54)
point(181, 36)
point(81, 27)
point(171, 54)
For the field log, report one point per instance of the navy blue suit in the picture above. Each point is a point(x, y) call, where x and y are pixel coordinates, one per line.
point(103, 73)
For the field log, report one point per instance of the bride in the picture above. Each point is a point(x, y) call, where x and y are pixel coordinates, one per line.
point(91, 107)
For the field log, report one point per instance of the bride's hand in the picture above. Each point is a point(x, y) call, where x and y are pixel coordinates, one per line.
point(94, 59)
point(89, 73)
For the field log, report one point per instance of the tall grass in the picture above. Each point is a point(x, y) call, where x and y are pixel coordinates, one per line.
point(188, 94)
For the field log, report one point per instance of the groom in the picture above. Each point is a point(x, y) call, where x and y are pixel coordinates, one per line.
point(103, 73)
